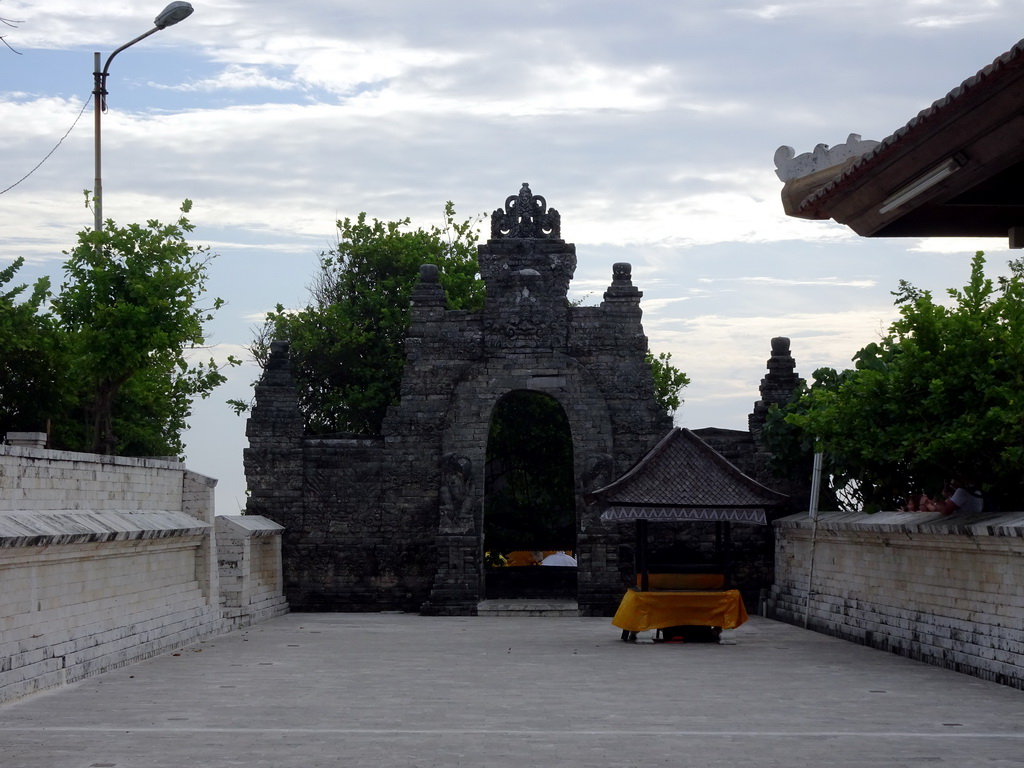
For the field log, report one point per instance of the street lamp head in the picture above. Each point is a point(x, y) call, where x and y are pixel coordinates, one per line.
point(172, 14)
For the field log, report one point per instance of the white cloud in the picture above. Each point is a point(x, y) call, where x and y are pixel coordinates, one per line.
point(959, 245)
point(651, 126)
point(234, 78)
point(833, 282)
point(725, 357)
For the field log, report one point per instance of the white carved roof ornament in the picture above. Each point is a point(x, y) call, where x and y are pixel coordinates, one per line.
point(805, 173)
point(906, 186)
point(790, 166)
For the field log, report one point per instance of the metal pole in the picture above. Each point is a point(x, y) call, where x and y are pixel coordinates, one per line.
point(813, 513)
point(97, 191)
point(812, 510)
point(100, 102)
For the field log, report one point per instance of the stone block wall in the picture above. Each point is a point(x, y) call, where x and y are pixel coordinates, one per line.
point(36, 479)
point(947, 591)
point(250, 569)
point(105, 561)
point(73, 610)
point(396, 522)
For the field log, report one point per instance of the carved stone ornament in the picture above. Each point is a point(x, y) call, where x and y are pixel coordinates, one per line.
point(456, 494)
point(526, 215)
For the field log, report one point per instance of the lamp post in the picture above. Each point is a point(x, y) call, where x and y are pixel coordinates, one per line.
point(172, 14)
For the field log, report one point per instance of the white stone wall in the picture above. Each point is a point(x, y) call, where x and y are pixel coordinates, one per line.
point(106, 560)
point(251, 574)
point(73, 610)
point(36, 479)
point(948, 591)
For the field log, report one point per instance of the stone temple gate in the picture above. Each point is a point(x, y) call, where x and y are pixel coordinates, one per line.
point(397, 521)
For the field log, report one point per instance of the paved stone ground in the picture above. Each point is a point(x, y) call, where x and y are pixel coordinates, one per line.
point(398, 690)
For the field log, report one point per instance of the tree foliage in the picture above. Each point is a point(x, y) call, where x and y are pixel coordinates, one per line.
point(940, 397)
point(31, 352)
point(115, 341)
point(668, 381)
point(347, 344)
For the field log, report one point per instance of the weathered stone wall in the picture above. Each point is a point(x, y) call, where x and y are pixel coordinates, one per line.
point(947, 591)
point(104, 561)
point(397, 523)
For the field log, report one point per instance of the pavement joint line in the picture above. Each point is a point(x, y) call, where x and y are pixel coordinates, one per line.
point(519, 732)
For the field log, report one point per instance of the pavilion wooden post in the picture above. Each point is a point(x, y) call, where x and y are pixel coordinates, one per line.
point(726, 551)
point(640, 555)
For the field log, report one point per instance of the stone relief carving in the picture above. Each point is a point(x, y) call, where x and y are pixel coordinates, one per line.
point(598, 471)
point(525, 215)
point(457, 494)
point(789, 165)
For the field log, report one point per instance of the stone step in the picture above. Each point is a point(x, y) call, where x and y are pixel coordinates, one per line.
point(528, 607)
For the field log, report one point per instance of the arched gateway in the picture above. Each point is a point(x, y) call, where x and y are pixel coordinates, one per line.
point(397, 521)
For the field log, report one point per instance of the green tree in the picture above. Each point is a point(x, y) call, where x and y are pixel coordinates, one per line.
point(941, 396)
point(347, 344)
point(131, 314)
point(668, 381)
point(33, 369)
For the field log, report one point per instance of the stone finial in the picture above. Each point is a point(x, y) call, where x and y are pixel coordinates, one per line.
point(525, 215)
point(780, 346)
point(622, 282)
point(428, 291)
point(622, 273)
point(778, 385)
point(278, 358)
point(789, 165)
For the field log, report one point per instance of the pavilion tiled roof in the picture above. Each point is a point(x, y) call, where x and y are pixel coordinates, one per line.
point(959, 99)
point(683, 478)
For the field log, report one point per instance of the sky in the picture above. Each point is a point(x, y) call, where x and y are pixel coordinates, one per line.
point(651, 125)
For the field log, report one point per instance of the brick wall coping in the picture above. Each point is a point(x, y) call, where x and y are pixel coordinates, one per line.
point(77, 526)
point(93, 458)
point(985, 524)
point(249, 525)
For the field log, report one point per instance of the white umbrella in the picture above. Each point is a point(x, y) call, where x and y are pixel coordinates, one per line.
point(559, 558)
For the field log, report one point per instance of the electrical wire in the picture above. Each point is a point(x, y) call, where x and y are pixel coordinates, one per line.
point(52, 150)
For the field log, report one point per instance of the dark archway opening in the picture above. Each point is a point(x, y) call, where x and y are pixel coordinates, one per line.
point(530, 501)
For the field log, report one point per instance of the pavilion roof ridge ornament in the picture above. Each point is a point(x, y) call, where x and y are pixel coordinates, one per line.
point(526, 215)
point(790, 166)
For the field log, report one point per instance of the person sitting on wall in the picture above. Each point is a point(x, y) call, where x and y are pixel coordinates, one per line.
point(959, 497)
point(916, 502)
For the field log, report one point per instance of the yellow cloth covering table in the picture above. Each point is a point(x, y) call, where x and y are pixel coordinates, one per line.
point(640, 611)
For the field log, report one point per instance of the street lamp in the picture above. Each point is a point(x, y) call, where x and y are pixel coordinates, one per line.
point(172, 14)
